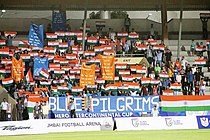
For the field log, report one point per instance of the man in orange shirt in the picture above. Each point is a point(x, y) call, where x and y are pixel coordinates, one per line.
point(178, 64)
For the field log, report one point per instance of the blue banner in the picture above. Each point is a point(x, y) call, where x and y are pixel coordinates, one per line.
point(162, 113)
point(58, 21)
point(203, 122)
point(36, 35)
point(40, 63)
point(110, 106)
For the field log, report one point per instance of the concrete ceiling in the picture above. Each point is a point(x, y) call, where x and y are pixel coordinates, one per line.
point(128, 5)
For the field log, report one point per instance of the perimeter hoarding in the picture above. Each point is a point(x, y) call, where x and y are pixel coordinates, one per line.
point(123, 106)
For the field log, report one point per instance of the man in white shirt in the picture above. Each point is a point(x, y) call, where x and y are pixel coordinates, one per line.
point(4, 108)
point(155, 112)
point(72, 108)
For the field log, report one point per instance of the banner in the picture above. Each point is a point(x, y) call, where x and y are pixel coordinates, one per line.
point(40, 63)
point(17, 69)
point(107, 67)
point(79, 124)
point(87, 75)
point(156, 123)
point(112, 106)
point(36, 35)
point(58, 21)
point(23, 127)
point(203, 122)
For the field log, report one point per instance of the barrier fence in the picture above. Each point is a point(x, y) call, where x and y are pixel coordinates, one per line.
point(100, 124)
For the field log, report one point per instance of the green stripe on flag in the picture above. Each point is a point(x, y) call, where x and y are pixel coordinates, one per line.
point(187, 108)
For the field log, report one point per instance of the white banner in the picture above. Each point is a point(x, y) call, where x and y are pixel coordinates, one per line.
point(79, 124)
point(22, 127)
point(197, 113)
point(55, 125)
point(156, 123)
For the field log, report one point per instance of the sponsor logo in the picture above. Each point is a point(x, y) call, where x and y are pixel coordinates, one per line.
point(107, 124)
point(14, 128)
point(172, 122)
point(169, 122)
point(135, 122)
point(204, 121)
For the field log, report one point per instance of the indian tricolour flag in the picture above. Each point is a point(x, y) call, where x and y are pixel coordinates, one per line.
point(25, 57)
point(176, 87)
point(200, 62)
point(154, 82)
point(75, 71)
point(59, 71)
point(71, 34)
point(141, 48)
point(123, 87)
point(99, 49)
point(44, 74)
point(23, 43)
point(32, 102)
point(168, 92)
point(79, 38)
point(100, 81)
point(108, 52)
point(152, 42)
point(51, 36)
point(91, 87)
point(111, 87)
point(107, 47)
point(207, 42)
point(137, 76)
point(5, 71)
point(32, 54)
point(53, 66)
point(159, 47)
point(92, 40)
point(60, 33)
point(145, 81)
point(76, 89)
point(163, 75)
point(200, 48)
point(46, 82)
point(63, 89)
point(71, 56)
point(134, 87)
point(49, 50)
point(124, 72)
point(63, 45)
point(12, 34)
point(121, 66)
point(28, 77)
point(2, 42)
point(66, 68)
point(4, 51)
point(141, 70)
point(7, 82)
point(127, 78)
point(185, 103)
point(103, 41)
point(6, 61)
point(132, 36)
point(89, 53)
point(122, 34)
point(53, 43)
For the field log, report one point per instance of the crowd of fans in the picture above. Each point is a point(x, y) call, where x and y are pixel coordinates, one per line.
point(180, 73)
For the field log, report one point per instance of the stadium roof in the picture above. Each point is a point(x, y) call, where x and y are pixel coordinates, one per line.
point(128, 5)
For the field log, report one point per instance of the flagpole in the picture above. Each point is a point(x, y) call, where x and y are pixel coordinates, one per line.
point(84, 26)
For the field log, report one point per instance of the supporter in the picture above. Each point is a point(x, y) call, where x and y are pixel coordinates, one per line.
point(202, 87)
point(37, 111)
point(72, 108)
point(127, 23)
point(159, 58)
point(197, 88)
point(20, 108)
point(4, 109)
point(45, 110)
point(192, 48)
point(150, 54)
point(190, 78)
point(155, 112)
point(9, 40)
point(177, 64)
point(168, 56)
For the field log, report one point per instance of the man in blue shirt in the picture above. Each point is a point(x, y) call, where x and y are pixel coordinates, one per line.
point(190, 78)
